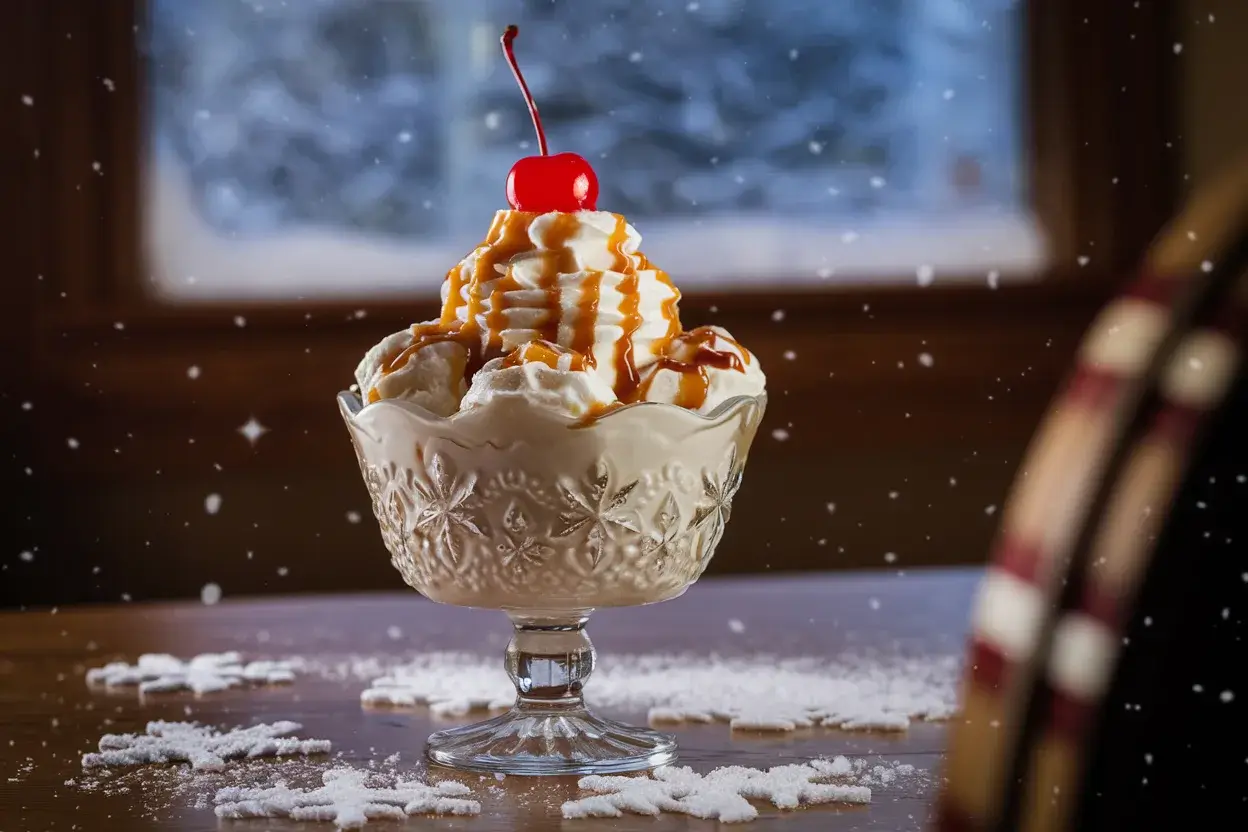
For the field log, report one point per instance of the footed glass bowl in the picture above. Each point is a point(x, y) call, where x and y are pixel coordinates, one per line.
point(512, 508)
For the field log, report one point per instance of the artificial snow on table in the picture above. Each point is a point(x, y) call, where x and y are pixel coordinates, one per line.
point(761, 693)
point(204, 747)
point(347, 799)
point(723, 794)
point(205, 673)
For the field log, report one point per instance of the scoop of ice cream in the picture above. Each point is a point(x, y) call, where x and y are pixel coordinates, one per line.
point(430, 375)
point(702, 368)
point(545, 375)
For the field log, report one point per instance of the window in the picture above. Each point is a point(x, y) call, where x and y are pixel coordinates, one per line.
point(355, 147)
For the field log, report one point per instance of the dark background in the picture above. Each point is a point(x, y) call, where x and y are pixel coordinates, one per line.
point(1120, 126)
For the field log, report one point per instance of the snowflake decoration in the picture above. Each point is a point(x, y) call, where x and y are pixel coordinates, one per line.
point(716, 507)
point(206, 749)
point(594, 507)
point(667, 543)
point(724, 794)
point(205, 673)
point(447, 499)
point(519, 548)
point(346, 799)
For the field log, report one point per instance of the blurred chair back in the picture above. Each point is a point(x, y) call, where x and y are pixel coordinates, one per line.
point(1093, 642)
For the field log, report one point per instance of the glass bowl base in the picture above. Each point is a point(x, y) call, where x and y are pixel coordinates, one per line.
point(538, 742)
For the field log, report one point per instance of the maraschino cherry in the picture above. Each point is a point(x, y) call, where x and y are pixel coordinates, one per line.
point(563, 182)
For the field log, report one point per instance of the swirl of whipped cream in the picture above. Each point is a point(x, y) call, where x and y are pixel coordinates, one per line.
point(575, 280)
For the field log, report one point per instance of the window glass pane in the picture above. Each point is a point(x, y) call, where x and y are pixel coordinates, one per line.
point(349, 146)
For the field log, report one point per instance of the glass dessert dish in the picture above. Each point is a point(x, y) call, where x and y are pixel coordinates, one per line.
point(518, 509)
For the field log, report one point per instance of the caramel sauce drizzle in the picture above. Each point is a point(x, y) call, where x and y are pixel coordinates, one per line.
point(545, 352)
point(615, 244)
point(587, 317)
point(558, 258)
point(695, 381)
point(627, 381)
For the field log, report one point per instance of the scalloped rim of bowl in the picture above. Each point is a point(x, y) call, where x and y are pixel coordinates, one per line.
point(352, 406)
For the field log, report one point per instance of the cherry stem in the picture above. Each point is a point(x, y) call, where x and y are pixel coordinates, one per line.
point(508, 36)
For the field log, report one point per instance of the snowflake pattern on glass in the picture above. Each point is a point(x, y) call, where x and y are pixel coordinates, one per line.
point(593, 506)
point(716, 508)
point(446, 503)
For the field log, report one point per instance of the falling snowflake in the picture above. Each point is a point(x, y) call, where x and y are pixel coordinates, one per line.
point(925, 358)
point(212, 503)
point(780, 435)
point(210, 594)
point(347, 800)
point(192, 372)
point(925, 274)
point(252, 430)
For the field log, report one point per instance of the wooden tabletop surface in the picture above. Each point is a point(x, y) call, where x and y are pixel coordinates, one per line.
point(49, 717)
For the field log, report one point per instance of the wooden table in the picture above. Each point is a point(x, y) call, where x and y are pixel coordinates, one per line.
point(49, 717)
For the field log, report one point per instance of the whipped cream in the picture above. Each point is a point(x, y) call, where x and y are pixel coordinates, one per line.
point(575, 392)
point(564, 309)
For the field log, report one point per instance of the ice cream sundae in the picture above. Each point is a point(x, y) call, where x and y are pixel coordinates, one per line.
point(557, 306)
point(553, 443)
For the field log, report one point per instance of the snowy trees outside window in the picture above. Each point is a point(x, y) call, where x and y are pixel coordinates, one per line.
point(349, 146)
